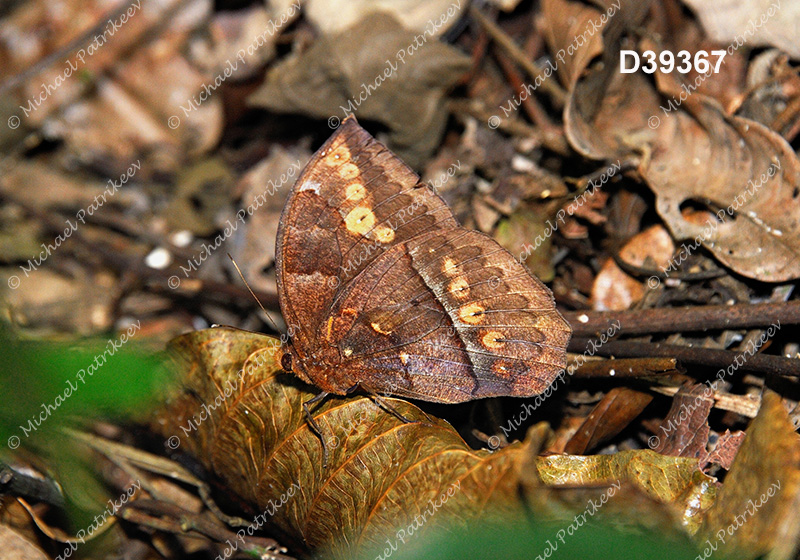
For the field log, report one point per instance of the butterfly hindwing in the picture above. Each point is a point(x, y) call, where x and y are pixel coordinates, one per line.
point(449, 316)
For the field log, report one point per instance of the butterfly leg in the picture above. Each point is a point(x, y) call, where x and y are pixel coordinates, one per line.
point(312, 424)
point(378, 400)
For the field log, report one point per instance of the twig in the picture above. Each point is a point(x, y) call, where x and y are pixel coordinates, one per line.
point(534, 111)
point(785, 118)
point(515, 127)
point(628, 368)
point(21, 484)
point(515, 52)
point(746, 405)
point(683, 319)
point(73, 45)
point(763, 364)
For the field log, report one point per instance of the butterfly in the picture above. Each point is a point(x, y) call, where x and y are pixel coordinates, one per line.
point(390, 294)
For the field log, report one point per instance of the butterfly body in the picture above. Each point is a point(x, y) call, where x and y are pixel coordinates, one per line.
point(388, 292)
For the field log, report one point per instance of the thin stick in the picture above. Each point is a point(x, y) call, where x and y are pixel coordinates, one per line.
point(531, 106)
point(627, 368)
point(683, 319)
point(763, 364)
point(746, 405)
point(515, 52)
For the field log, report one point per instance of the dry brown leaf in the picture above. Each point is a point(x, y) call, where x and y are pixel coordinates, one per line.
point(36, 185)
point(759, 22)
point(684, 431)
point(235, 31)
point(265, 184)
point(736, 165)
point(682, 31)
point(381, 473)
point(613, 288)
point(81, 303)
point(110, 99)
point(17, 547)
point(725, 450)
point(401, 81)
point(610, 416)
point(668, 480)
point(692, 152)
point(757, 510)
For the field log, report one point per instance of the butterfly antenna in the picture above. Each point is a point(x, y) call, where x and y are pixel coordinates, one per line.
point(253, 293)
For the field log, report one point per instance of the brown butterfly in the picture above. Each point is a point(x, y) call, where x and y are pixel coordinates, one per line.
point(389, 293)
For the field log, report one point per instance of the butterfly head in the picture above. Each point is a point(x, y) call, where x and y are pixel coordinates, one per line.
point(291, 363)
point(286, 362)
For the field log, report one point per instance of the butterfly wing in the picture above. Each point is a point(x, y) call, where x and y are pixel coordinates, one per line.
point(449, 316)
point(353, 201)
point(385, 289)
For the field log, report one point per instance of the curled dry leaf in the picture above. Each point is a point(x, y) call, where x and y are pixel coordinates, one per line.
point(684, 431)
point(243, 418)
point(675, 481)
point(725, 21)
point(693, 151)
point(615, 411)
point(682, 31)
point(725, 450)
point(615, 289)
point(381, 473)
point(757, 509)
point(743, 172)
point(401, 81)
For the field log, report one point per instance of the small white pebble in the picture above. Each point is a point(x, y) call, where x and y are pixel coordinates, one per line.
point(612, 373)
point(159, 258)
point(181, 238)
point(583, 318)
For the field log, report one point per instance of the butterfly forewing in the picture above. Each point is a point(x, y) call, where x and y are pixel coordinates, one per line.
point(352, 202)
